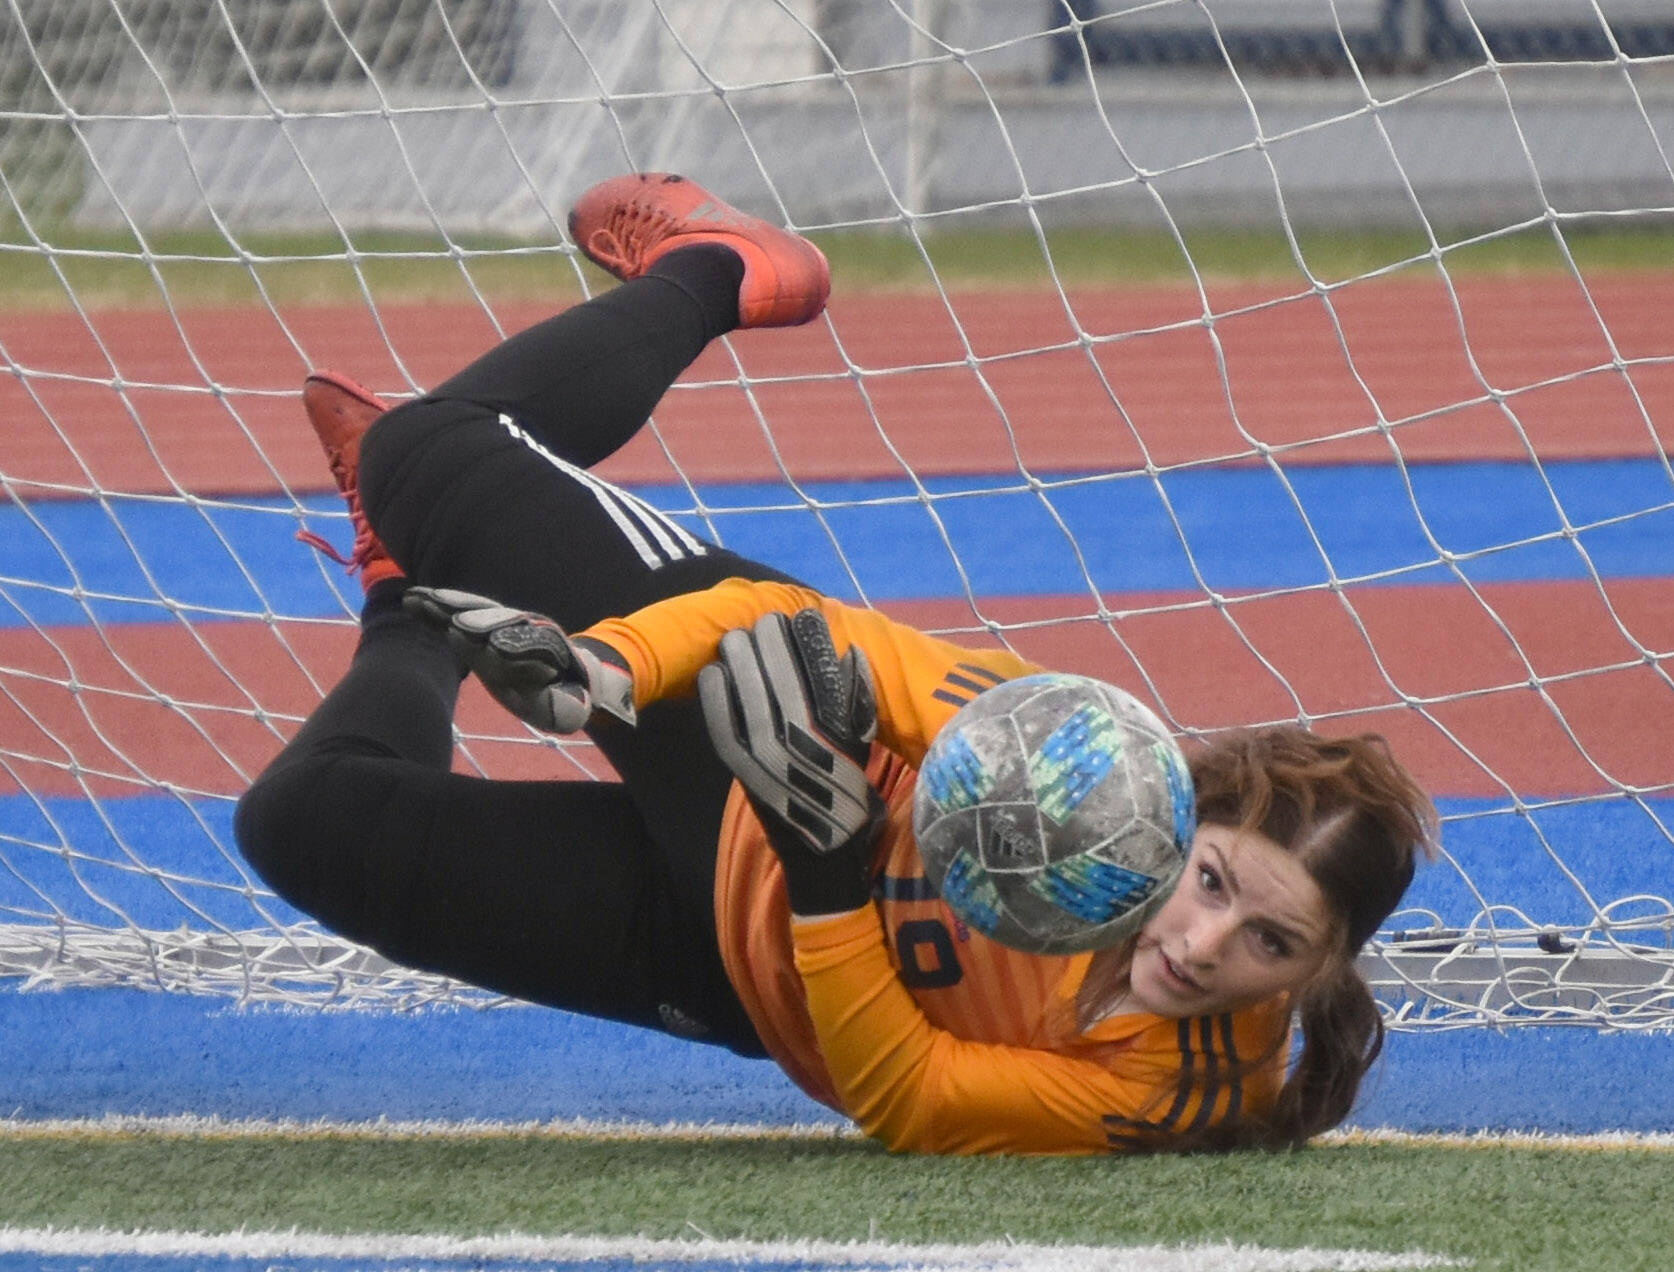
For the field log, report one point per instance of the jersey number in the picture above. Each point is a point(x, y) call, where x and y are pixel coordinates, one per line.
point(934, 968)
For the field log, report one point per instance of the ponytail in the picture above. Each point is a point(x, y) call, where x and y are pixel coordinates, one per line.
point(1342, 1034)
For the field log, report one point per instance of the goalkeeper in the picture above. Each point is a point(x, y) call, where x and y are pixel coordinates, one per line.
point(752, 881)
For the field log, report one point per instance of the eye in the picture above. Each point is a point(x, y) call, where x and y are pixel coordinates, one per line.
point(1273, 943)
point(1207, 879)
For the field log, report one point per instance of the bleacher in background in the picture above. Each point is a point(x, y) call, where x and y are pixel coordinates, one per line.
point(1310, 37)
point(393, 112)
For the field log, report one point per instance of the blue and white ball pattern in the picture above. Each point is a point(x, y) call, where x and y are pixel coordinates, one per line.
point(1054, 813)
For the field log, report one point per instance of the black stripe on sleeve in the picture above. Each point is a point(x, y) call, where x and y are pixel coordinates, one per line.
point(960, 682)
point(943, 695)
point(1188, 1065)
point(1237, 1098)
point(981, 673)
point(1118, 1140)
point(1211, 1074)
point(1129, 1132)
point(1125, 1132)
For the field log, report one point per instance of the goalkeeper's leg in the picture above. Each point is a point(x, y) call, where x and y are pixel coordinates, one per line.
point(465, 487)
point(553, 892)
point(584, 381)
point(466, 495)
point(482, 485)
point(470, 487)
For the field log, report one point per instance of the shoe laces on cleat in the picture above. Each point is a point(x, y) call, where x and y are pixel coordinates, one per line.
point(340, 412)
point(631, 231)
point(368, 549)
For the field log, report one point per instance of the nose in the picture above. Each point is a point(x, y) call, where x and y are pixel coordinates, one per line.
point(1206, 940)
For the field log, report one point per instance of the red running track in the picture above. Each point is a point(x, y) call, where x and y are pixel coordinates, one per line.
point(1153, 372)
point(154, 705)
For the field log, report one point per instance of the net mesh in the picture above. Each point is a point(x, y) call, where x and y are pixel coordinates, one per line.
point(1451, 480)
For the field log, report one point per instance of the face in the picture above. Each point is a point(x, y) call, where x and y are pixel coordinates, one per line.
point(1246, 922)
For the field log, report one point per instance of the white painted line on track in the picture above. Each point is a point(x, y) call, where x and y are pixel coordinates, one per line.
point(383, 1249)
point(191, 1127)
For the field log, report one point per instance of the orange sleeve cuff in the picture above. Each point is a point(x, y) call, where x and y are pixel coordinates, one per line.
point(665, 645)
point(821, 934)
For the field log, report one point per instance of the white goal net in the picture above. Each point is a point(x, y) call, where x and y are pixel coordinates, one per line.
point(1277, 359)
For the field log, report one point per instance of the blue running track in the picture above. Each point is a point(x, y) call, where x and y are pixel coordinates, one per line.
point(1243, 529)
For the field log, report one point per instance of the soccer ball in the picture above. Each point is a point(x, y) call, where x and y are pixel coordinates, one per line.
point(1054, 813)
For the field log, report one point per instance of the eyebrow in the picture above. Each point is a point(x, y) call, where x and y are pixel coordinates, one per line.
point(1288, 927)
point(1225, 868)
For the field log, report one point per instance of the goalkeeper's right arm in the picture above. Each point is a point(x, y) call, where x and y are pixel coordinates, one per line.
point(547, 679)
point(920, 680)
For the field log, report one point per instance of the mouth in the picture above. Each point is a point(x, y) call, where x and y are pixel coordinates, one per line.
point(1177, 978)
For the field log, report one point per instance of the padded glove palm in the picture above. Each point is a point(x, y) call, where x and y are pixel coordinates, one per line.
point(545, 678)
point(794, 723)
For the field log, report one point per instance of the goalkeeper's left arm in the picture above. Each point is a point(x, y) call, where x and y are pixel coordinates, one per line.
point(920, 1089)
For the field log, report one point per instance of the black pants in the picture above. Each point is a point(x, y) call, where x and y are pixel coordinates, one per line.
point(594, 897)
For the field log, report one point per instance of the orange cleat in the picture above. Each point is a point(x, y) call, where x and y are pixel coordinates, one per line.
point(626, 224)
point(341, 411)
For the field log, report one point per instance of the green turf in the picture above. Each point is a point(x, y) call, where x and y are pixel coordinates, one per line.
point(198, 268)
point(1522, 1208)
point(1081, 256)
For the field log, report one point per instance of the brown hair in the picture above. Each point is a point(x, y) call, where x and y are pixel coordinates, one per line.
point(1357, 820)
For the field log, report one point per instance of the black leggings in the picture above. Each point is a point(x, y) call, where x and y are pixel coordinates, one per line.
point(591, 896)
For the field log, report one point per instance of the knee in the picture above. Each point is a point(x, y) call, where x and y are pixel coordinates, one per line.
point(395, 436)
point(268, 829)
point(295, 829)
point(413, 458)
point(421, 445)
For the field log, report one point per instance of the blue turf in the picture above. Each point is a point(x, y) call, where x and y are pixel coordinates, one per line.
point(91, 1052)
point(1241, 528)
point(192, 873)
point(88, 1052)
point(1559, 1080)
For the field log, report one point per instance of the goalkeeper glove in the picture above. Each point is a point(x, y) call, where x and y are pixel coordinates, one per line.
point(794, 723)
point(546, 679)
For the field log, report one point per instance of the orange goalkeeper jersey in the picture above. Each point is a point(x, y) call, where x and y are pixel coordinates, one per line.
point(932, 1037)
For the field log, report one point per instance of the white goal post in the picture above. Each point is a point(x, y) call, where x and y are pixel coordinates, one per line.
point(208, 151)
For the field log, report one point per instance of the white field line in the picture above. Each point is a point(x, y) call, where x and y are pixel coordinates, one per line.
point(192, 1127)
point(384, 1249)
point(1626, 1141)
